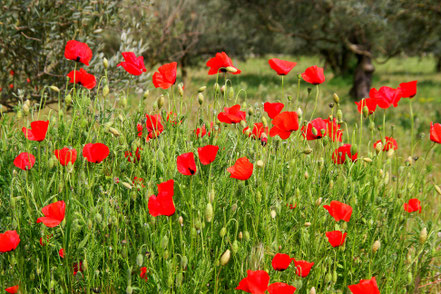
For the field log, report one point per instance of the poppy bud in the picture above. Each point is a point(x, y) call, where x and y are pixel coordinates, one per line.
point(222, 89)
point(339, 115)
point(259, 163)
point(367, 159)
point(318, 201)
point(181, 221)
point(307, 150)
point(314, 131)
point(390, 153)
point(231, 69)
point(437, 189)
point(423, 235)
point(306, 175)
point(246, 236)
point(184, 262)
point(307, 224)
point(202, 89)
point(114, 132)
point(55, 88)
point(223, 232)
point(200, 98)
point(25, 109)
point(365, 111)
point(225, 258)
point(129, 290)
point(264, 122)
point(139, 259)
point(273, 214)
point(68, 99)
point(235, 247)
point(409, 277)
point(127, 185)
point(334, 276)
point(379, 147)
point(164, 242)
point(179, 279)
point(216, 87)
point(331, 105)
point(297, 192)
point(181, 89)
point(105, 63)
point(299, 112)
point(209, 212)
point(336, 98)
point(85, 265)
point(354, 149)
point(258, 195)
point(328, 277)
point(123, 101)
point(312, 291)
point(240, 236)
point(371, 126)
point(98, 218)
point(376, 246)
point(250, 111)
point(105, 90)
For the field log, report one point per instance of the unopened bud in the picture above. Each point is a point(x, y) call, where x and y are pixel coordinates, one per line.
point(202, 89)
point(423, 235)
point(235, 247)
point(216, 87)
point(259, 163)
point(365, 111)
point(264, 122)
point(379, 147)
point(160, 101)
point(68, 99)
point(248, 132)
point(371, 126)
point(243, 123)
point(139, 259)
point(299, 112)
point(127, 185)
point(225, 258)
point(25, 109)
point(240, 236)
point(200, 98)
point(250, 111)
point(312, 291)
point(231, 69)
point(314, 131)
point(222, 89)
point(390, 153)
point(146, 94)
point(105, 63)
point(376, 246)
point(354, 149)
point(307, 150)
point(106, 90)
point(306, 175)
point(129, 290)
point(231, 94)
point(223, 232)
point(209, 212)
point(123, 102)
point(273, 214)
point(307, 224)
point(367, 159)
point(55, 88)
point(181, 89)
point(318, 201)
point(336, 98)
point(339, 115)
point(181, 221)
point(114, 132)
point(437, 189)
point(164, 242)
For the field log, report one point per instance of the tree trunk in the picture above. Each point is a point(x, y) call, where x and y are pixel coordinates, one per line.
point(362, 77)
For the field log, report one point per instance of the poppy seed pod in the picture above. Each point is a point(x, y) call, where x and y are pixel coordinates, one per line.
point(209, 212)
point(202, 89)
point(376, 246)
point(336, 98)
point(106, 90)
point(225, 258)
point(423, 235)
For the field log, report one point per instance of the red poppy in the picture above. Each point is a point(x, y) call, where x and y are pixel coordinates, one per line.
point(365, 287)
point(435, 132)
point(341, 153)
point(241, 170)
point(258, 130)
point(53, 214)
point(9, 240)
point(163, 203)
point(95, 152)
point(202, 131)
point(154, 125)
point(132, 64)
point(83, 78)
point(143, 273)
point(61, 253)
point(207, 154)
point(1, 89)
point(339, 210)
point(11, 72)
point(302, 267)
point(334, 132)
point(284, 124)
point(281, 261)
point(37, 132)
point(66, 155)
point(313, 75)
point(78, 52)
point(413, 205)
point(256, 282)
point(385, 96)
point(78, 268)
point(273, 109)
point(130, 156)
point(24, 161)
point(231, 115)
point(409, 89)
point(47, 239)
point(336, 238)
point(220, 63)
point(390, 144)
point(165, 77)
point(12, 290)
point(281, 288)
point(370, 103)
point(139, 129)
point(28, 80)
point(11, 86)
point(281, 67)
point(186, 164)
point(139, 182)
point(315, 129)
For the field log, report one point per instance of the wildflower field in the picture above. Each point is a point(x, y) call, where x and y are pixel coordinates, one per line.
point(193, 189)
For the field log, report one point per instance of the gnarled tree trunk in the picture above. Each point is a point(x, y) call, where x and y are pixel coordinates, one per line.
point(362, 77)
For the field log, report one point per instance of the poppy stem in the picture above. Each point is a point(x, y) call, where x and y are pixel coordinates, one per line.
point(316, 101)
point(412, 147)
point(283, 90)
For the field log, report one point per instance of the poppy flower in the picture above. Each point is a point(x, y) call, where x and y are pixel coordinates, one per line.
point(370, 103)
point(256, 282)
point(302, 267)
point(143, 273)
point(139, 129)
point(390, 144)
point(435, 132)
point(95, 152)
point(165, 77)
point(365, 287)
point(336, 238)
point(284, 124)
point(186, 164)
point(154, 125)
point(281, 288)
point(9, 240)
point(339, 210)
point(220, 63)
point(78, 52)
point(333, 131)
point(413, 205)
point(78, 268)
point(241, 170)
point(202, 131)
point(273, 109)
point(66, 155)
point(162, 204)
point(61, 253)
point(53, 214)
point(83, 78)
point(11, 72)
point(139, 182)
point(47, 239)
point(12, 290)
point(11, 86)
point(313, 75)
point(231, 115)
point(315, 129)
point(130, 156)
point(207, 154)
point(37, 132)
point(385, 96)
point(132, 64)
point(409, 89)
point(341, 153)
point(281, 67)
point(24, 161)
point(258, 131)
point(281, 261)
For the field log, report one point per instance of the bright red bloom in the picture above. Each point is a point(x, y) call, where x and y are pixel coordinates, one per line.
point(37, 132)
point(66, 155)
point(341, 153)
point(339, 210)
point(11, 86)
point(220, 63)
point(207, 154)
point(24, 161)
point(78, 52)
point(336, 238)
point(78, 268)
point(313, 75)
point(385, 96)
point(61, 252)
point(53, 214)
point(12, 290)
point(28, 80)
point(319, 125)
point(409, 89)
point(231, 115)
point(11, 72)
point(281, 261)
point(9, 240)
point(413, 205)
point(284, 124)
point(370, 103)
point(258, 131)
point(281, 67)
point(302, 267)
point(435, 132)
point(365, 287)
point(165, 77)
point(273, 109)
point(83, 78)
point(95, 152)
point(241, 170)
point(334, 132)
point(256, 282)
point(186, 164)
point(132, 64)
point(139, 182)
point(281, 288)
point(390, 144)
point(130, 156)
point(143, 273)
point(163, 203)
point(154, 125)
